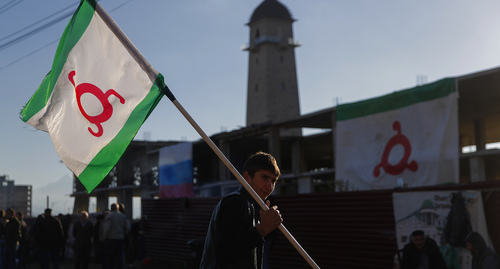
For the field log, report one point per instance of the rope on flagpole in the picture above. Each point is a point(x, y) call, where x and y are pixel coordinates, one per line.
point(146, 66)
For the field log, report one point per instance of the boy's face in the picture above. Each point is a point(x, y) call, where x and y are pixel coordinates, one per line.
point(419, 241)
point(263, 182)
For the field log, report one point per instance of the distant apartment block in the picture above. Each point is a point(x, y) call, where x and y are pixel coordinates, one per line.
point(16, 197)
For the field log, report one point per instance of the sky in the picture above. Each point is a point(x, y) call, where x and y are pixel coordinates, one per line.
point(351, 50)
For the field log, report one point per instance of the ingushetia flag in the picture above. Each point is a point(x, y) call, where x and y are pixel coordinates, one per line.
point(96, 97)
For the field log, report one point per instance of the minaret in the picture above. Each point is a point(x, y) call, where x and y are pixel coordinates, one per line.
point(272, 94)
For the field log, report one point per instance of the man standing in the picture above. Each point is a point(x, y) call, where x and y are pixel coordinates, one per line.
point(82, 232)
point(422, 253)
point(116, 227)
point(21, 250)
point(49, 232)
point(12, 234)
point(237, 229)
point(2, 243)
point(483, 257)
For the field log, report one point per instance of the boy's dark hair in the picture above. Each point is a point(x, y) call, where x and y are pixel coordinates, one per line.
point(418, 233)
point(261, 161)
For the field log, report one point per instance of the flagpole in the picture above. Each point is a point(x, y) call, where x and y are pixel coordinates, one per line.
point(152, 75)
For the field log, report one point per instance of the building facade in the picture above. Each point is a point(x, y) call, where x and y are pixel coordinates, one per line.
point(14, 196)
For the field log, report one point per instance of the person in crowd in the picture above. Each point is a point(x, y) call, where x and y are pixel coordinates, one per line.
point(122, 208)
point(12, 235)
point(22, 249)
point(49, 233)
point(82, 232)
point(2, 242)
point(65, 221)
point(116, 228)
point(102, 234)
point(99, 244)
point(422, 253)
point(238, 229)
point(483, 257)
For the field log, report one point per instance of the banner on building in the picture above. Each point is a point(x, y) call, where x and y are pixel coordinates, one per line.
point(407, 138)
point(428, 211)
point(176, 171)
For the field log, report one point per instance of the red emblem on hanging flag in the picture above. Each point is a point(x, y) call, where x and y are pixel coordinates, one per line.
point(403, 163)
point(103, 98)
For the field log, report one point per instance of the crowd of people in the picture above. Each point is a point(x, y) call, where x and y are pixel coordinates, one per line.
point(52, 239)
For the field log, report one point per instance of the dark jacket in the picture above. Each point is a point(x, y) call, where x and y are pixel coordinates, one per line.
point(12, 232)
point(458, 224)
point(483, 257)
point(232, 240)
point(82, 234)
point(411, 255)
point(49, 233)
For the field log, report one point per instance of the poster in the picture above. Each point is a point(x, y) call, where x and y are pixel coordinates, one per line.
point(428, 211)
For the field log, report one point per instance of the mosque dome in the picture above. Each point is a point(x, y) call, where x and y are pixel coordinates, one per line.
point(427, 204)
point(271, 8)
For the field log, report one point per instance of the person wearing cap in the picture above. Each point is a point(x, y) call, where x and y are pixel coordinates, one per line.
point(483, 257)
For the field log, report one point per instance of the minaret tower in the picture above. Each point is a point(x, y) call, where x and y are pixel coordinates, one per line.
point(272, 94)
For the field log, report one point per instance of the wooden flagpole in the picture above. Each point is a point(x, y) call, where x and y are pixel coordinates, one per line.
point(153, 74)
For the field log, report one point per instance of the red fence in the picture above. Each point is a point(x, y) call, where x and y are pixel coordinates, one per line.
point(338, 230)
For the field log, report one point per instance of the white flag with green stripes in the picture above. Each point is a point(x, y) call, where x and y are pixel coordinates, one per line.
point(95, 98)
point(407, 138)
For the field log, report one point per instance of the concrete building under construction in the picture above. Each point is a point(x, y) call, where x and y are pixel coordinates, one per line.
point(15, 196)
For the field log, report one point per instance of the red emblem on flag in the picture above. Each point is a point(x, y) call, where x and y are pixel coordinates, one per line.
point(103, 98)
point(403, 163)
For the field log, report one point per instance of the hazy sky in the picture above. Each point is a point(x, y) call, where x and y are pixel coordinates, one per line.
point(351, 50)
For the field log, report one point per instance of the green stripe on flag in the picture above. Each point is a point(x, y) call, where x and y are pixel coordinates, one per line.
point(104, 161)
point(397, 100)
point(72, 34)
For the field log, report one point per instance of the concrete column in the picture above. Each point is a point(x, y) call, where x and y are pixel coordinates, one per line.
point(480, 134)
point(81, 203)
point(274, 143)
point(477, 169)
point(102, 201)
point(296, 157)
point(125, 197)
point(305, 185)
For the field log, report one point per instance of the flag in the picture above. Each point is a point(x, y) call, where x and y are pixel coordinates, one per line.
point(407, 138)
point(96, 97)
point(176, 170)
